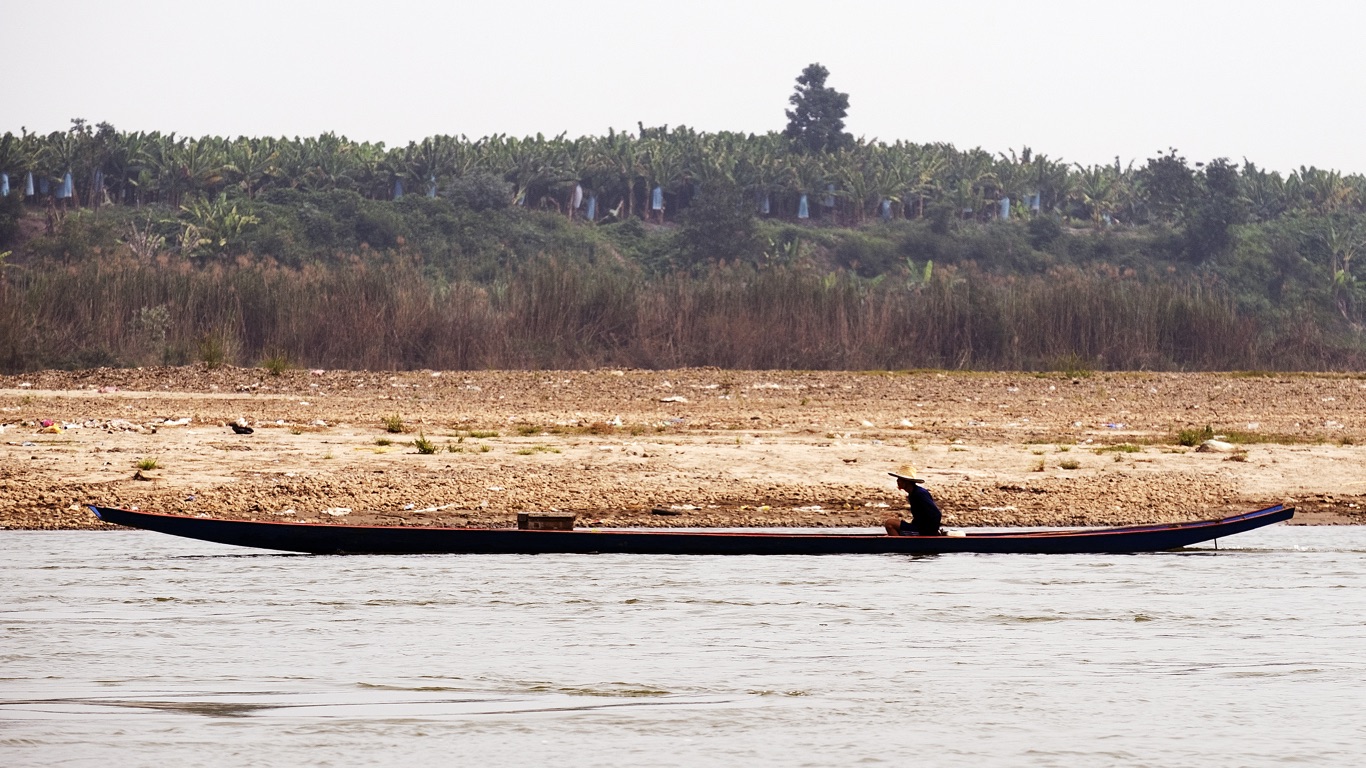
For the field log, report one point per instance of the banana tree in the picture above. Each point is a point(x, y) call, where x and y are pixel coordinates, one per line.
point(1339, 239)
point(368, 171)
point(758, 170)
point(1052, 180)
point(803, 176)
point(1323, 191)
point(1265, 191)
point(430, 163)
point(893, 178)
point(618, 157)
point(1015, 175)
point(249, 164)
point(525, 163)
point(858, 178)
point(971, 180)
point(1097, 192)
point(130, 156)
point(924, 172)
point(662, 161)
point(328, 162)
point(60, 153)
point(713, 159)
point(184, 166)
point(212, 226)
point(580, 173)
point(17, 157)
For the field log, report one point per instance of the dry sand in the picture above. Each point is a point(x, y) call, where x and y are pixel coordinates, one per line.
point(698, 447)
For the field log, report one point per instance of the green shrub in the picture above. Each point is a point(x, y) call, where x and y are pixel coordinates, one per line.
point(423, 445)
point(1072, 365)
point(378, 227)
point(11, 210)
point(479, 192)
point(719, 226)
point(276, 364)
point(213, 350)
point(866, 253)
point(1193, 436)
point(1043, 232)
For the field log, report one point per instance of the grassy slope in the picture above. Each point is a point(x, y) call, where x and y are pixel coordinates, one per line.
point(330, 278)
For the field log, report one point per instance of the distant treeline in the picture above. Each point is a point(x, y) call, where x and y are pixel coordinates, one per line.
point(141, 248)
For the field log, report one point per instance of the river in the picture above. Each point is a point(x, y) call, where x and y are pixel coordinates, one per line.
point(131, 648)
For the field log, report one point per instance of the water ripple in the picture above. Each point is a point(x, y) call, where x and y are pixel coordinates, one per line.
point(133, 648)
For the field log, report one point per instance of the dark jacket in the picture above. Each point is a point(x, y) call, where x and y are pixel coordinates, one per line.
point(925, 514)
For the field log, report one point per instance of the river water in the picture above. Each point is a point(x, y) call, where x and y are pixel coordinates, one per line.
point(136, 649)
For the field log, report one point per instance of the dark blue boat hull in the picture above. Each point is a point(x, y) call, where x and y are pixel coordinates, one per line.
point(352, 539)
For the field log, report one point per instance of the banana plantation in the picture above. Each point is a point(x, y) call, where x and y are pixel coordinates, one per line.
point(654, 174)
point(665, 247)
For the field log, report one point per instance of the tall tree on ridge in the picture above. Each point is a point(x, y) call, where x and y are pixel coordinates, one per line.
point(816, 121)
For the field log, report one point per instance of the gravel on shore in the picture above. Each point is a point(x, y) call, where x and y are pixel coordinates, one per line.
point(696, 447)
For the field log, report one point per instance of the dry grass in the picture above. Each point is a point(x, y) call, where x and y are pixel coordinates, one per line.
point(385, 312)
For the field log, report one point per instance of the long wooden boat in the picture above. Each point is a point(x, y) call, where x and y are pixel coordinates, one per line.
point(356, 539)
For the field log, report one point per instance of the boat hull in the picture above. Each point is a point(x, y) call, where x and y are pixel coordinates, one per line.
point(352, 539)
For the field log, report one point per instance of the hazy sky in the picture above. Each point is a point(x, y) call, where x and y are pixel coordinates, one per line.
point(1282, 84)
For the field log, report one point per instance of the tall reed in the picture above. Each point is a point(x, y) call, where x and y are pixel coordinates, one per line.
point(389, 313)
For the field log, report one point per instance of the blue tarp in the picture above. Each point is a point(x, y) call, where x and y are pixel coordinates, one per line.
point(829, 200)
point(398, 188)
point(28, 184)
point(1004, 204)
point(657, 199)
point(765, 205)
point(577, 201)
point(4, 185)
point(66, 189)
point(592, 213)
point(99, 187)
point(886, 209)
point(803, 210)
point(431, 186)
point(1034, 202)
point(42, 185)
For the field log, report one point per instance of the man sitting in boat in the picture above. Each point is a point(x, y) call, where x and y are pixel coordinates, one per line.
point(925, 514)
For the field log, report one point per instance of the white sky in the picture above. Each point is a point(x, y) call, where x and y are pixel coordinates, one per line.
point(1281, 84)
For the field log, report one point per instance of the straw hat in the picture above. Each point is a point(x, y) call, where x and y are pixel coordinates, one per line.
point(907, 472)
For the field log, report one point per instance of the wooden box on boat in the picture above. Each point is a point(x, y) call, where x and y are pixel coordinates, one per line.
point(541, 521)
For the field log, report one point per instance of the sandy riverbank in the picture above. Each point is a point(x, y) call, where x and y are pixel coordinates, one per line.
point(709, 447)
